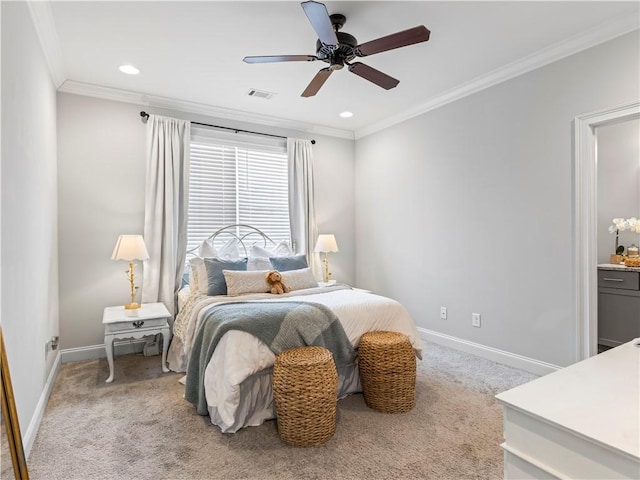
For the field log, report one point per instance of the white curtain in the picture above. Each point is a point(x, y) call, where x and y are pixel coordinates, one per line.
point(165, 212)
point(302, 215)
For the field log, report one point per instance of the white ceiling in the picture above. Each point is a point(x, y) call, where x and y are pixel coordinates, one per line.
point(192, 51)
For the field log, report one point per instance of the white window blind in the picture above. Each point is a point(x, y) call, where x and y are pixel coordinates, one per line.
point(237, 179)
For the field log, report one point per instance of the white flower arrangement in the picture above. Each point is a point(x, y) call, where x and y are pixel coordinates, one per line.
point(620, 225)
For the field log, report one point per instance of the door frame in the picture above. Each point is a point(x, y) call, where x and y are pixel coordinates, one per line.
point(585, 217)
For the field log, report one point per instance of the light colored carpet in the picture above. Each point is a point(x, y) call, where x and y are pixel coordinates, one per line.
point(140, 427)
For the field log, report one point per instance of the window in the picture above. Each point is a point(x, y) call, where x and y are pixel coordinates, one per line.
point(237, 179)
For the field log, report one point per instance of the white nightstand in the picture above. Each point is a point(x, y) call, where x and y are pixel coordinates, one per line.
point(149, 319)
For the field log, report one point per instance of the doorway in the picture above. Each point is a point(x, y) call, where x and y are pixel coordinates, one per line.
point(585, 257)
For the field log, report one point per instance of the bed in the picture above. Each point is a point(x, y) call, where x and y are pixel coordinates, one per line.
point(235, 380)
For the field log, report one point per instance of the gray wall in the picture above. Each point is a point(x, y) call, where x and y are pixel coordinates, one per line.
point(618, 183)
point(469, 206)
point(101, 153)
point(29, 210)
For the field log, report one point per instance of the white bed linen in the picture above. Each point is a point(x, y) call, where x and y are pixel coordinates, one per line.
point(183, 296)
point(240, 355)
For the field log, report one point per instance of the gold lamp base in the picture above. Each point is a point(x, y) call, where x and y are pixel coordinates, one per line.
point(133, 305)
point(326, 268)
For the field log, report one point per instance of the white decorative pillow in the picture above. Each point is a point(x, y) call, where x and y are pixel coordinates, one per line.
point(240, 282)
point(255, 264)
point(259, 256)
point(198, 279)
point(207, 249)
point(229, 251)
point(282, 249)
point(299, 279)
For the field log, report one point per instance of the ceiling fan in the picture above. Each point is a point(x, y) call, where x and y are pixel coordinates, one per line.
point(339, 49)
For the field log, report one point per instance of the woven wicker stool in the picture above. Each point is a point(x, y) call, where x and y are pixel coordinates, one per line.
point(387, 365)
point(305, 388)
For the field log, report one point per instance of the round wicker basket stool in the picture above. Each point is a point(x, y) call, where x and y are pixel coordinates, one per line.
point(387, 365)
point(305, 388)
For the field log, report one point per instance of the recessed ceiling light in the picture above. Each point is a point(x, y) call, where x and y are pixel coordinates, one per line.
point(346, 114)
point(129, 69)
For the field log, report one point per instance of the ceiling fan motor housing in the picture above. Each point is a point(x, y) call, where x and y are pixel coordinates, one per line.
point(345, 50)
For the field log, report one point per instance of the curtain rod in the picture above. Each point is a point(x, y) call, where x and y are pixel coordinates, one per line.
point(145, 115)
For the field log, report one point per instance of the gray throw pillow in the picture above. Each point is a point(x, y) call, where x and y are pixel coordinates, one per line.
point(283, 264)
point(215, 277)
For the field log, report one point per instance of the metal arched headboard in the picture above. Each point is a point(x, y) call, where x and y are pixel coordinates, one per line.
point(240, 231)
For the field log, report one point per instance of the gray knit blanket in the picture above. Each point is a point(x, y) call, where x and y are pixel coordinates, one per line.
point(280, 325)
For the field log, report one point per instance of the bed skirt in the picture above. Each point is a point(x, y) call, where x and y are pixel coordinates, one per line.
point(256, 403)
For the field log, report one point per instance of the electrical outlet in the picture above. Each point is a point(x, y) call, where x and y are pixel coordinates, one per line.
point(475, 319)
point(51, 345)
point(443, 313)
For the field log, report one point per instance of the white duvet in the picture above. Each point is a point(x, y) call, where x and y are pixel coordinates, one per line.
point(240, 355)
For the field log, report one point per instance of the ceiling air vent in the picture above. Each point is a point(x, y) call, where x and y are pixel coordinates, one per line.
point(260, 94)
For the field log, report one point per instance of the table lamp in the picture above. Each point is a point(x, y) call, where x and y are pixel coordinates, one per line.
point(130, 248)
point(326, 243)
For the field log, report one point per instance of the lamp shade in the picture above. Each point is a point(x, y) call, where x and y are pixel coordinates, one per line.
point(326, 243)
point(130, 247)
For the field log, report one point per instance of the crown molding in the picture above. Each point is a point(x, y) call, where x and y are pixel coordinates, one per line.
point(107, 93)
point(44, 25)
point(558, 51)
point(45, 28)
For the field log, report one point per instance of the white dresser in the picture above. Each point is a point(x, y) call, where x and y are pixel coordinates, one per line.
point(581, 422)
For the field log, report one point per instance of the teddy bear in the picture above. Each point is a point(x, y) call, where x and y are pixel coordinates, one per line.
point(274, 279)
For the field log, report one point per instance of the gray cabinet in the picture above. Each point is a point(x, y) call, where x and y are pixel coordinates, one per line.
point(618, 306)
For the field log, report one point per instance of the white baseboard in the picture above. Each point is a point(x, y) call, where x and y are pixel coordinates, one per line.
point(80, 354)
point(527, 364)
point(92, 352)
point(30, 433)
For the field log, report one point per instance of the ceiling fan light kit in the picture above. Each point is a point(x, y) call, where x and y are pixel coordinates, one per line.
point(340, 48)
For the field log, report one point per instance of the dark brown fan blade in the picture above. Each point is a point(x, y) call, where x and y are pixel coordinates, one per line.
point(280, 58)
point(317, 82)
point(395, 40)
point(319, 17)
point(375, 76)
